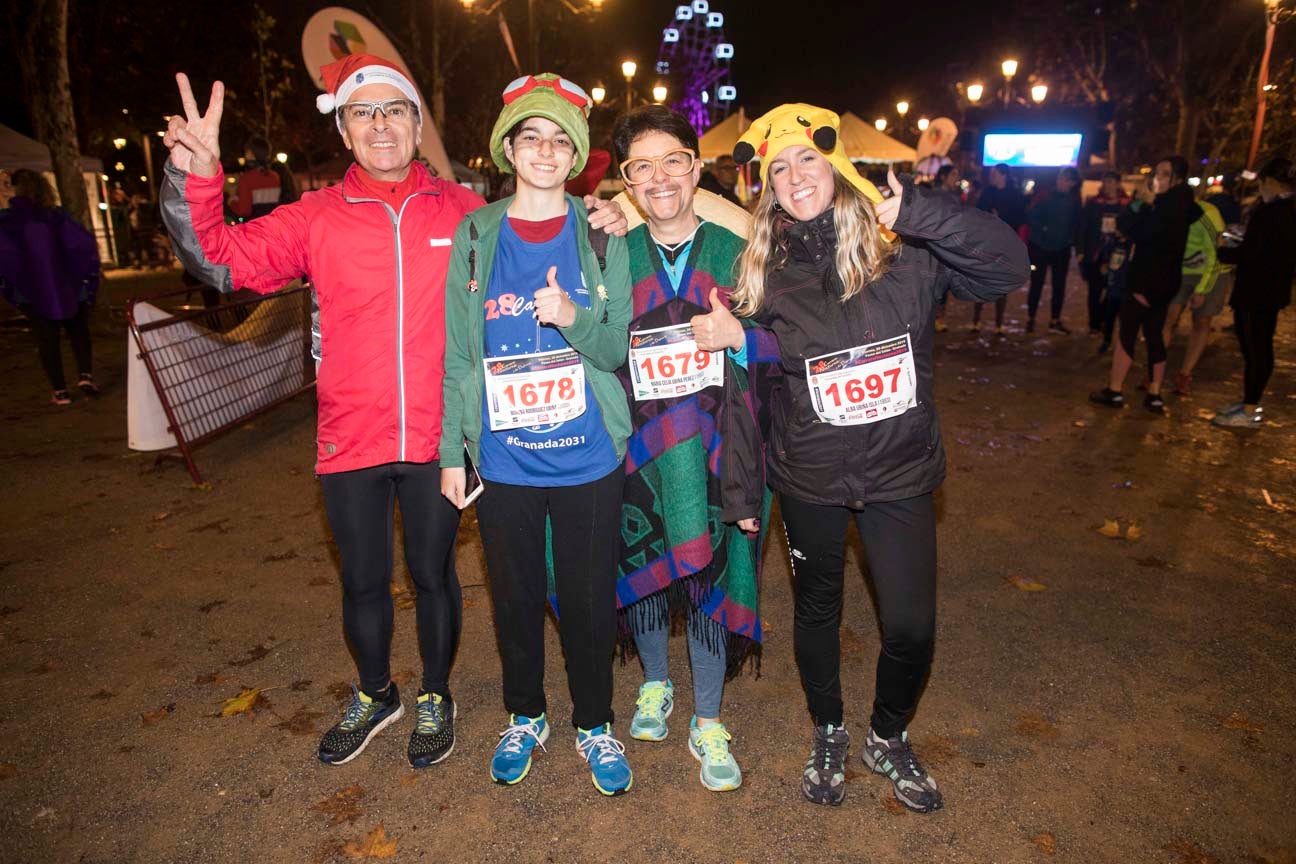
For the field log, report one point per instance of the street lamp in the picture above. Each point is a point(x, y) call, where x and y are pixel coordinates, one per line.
point(1039, 93)
point(628, 69)
point(902, 108)
point(119, 143)
point(1009, 68)
point(923, 123)
point(659, 93)
point(598, 93)
point(975, 92)
point(880, 123)
point(281, 158)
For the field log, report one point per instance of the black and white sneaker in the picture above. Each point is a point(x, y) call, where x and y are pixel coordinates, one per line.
point(895, 759)
point(1109, 397)
point(824, 779)
point(1154, 403)
point(433, 737)
point(365, 717)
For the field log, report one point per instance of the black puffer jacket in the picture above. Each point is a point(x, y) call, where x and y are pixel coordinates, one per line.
point(946, 247)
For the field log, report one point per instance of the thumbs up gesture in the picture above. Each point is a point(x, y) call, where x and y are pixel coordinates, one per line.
point(552, 305)
point(718, 328)
point(888, 210)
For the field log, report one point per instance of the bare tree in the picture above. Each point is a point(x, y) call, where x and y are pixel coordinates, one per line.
point(38, 32)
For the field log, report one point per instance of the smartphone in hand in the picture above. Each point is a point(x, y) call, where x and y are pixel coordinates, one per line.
point(473, 486)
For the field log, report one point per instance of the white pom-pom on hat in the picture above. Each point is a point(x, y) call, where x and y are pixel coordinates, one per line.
point(325, 103)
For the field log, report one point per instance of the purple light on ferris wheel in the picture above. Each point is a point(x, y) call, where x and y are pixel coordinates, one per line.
point(696, 57)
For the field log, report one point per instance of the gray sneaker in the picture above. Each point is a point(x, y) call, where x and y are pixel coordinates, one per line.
point(1240, 419)
point(895, 759)
point(824, 779)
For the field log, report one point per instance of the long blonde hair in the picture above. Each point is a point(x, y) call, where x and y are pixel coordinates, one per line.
point(863, 253)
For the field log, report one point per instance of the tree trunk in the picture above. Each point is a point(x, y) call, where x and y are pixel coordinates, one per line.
point(1187, 129)
point(42, 60)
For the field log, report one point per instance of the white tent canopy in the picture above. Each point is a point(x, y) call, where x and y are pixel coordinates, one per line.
point(720, 139)
point(864, 143)
point(19, 151)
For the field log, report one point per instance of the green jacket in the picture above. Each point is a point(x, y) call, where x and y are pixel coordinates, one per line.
point(599, 334)
point(1200, 255)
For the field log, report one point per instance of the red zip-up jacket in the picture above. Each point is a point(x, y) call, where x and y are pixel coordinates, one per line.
point(379, 278)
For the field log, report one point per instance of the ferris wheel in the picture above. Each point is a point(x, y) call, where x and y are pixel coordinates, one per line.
point(696, 57)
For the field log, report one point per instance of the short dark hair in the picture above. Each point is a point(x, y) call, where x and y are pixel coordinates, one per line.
point(1003, 168)
point(31, 184)
point(943, 172)
point(651, 118)
point(1112, 175)
point(259, 148)
point(1280, 169)
point(1178, 166)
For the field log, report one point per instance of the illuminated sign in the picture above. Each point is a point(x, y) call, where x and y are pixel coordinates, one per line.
point(1032, 149)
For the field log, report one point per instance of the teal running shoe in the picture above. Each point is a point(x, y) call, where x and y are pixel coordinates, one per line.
point(605, 755)
point(512, 759)
point(655, 703)
point(710, 746)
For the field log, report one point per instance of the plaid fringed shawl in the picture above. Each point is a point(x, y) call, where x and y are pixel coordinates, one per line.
point(678, 558)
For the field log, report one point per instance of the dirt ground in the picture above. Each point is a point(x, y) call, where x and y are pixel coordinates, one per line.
point(1093, 699)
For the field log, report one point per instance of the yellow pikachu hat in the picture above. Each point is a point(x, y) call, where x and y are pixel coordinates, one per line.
point(798, 123)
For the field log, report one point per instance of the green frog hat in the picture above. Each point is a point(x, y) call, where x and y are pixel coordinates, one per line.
point(798, 123)
point(552, 97)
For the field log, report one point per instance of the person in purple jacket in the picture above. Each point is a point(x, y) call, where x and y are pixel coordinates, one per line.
point(49, 269)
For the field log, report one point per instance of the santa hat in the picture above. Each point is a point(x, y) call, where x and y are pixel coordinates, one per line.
point(343, 77)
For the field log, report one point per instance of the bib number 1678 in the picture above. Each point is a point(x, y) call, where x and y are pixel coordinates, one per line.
point(534, 393)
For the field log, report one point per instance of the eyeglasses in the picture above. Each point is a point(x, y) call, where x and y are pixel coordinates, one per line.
point(392, 109)
point(674, 163)
point(573, 93)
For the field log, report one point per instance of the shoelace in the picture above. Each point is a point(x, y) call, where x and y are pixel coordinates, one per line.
point(652, 700)
point(358, 712)
point(714, 741)
point(516, 734)
point(827, 752)
point(903, 759)
point(607, 748)
point(429, 720)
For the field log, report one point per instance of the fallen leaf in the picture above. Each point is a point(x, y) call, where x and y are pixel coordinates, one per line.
point(1205, 414)
point(158, 517)
point(102, 695)
point(409, 778)
point(163, 547)
point(342, 805)
point(892, 806)
point(206, 608)
point(1045, 842)
point(300, 723)
point(152, 717)
point(375, 845)
point(1024, 583)
point(937, 749)
point(1035, 725)
point(1080, 424)
point(1110, 528)
point(45, 668)
point(969, 732)
point(319, 580)
point(211, 678)
point(1238, 720)
point(246, 702)
point(299, 685)
point(1189, 853)
point(1133, 532)
point(7, 769)
point(286, 556)
point(254, 654)
point(340, 691)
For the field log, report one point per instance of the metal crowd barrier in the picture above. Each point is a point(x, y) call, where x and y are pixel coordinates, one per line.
point(214, 368)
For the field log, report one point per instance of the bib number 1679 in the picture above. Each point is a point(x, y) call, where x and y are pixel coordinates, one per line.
point(671, 365)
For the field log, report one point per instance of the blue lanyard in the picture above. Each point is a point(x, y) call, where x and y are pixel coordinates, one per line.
point(675, 272)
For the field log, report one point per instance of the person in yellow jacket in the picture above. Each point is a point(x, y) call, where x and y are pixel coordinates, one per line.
point(1205, 287)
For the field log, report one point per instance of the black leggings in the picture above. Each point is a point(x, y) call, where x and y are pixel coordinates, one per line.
point(900, 543)
point(1042, 260)
point(1255, 332)
point(361, 514)
point(586, 535)
point(46, 331)
point(1151, 319)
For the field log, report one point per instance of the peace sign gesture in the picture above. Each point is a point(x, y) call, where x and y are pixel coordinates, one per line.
point(194, 140)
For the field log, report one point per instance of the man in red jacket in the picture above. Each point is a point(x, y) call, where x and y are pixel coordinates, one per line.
point(377, 246)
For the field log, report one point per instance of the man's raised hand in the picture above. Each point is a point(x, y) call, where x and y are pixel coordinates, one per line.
point(194, 140)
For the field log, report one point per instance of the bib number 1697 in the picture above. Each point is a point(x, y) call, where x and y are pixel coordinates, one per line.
point(856, 391)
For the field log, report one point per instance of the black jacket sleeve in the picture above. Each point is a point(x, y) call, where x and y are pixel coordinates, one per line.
point(985, 258)
point(742, 456)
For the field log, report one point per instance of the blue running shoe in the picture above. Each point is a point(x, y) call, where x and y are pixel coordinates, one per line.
point(655, 704)
point(512, 759)
point(605, 755)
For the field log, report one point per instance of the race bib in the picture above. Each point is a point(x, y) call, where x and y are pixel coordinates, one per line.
point(863, 384)
point(1109, 223)
point(534, 389)
point(666, 362)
